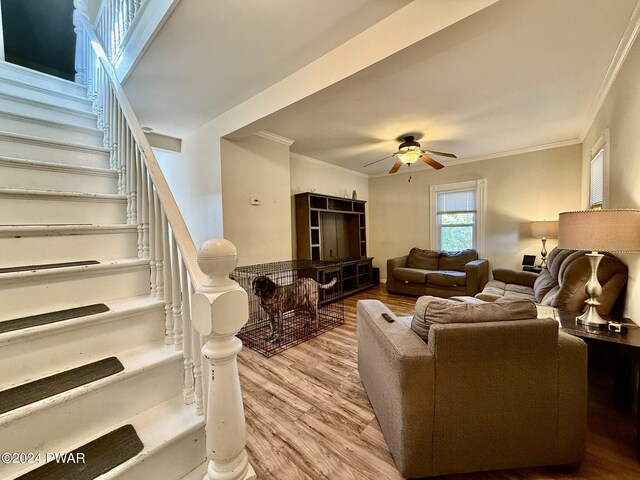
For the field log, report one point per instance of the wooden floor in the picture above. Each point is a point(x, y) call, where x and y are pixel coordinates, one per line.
point(308, 416)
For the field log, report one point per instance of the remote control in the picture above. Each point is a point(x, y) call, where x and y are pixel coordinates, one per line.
point(387, 317)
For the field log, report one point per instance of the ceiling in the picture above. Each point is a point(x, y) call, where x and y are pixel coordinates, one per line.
point(212, 55)
point(515, 75)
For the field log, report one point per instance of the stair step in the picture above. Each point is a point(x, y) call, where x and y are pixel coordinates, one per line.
point(46, 111)
point(41, 291)
point(32, 350)
point(62, 243)
point(152, 375)
point(40, 79)
point(43, 266)
point(40, 127)
point(46, 150)
point(51, 317)
point(21, 206)
point(173, 435)
point(39, 175)
point(93, 458)
point(31, 392)
point(29, 91)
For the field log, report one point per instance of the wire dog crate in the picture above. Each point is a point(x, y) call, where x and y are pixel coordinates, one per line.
point(289, 302)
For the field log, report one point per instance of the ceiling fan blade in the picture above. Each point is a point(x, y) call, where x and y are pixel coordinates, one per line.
point(396, 166)
point(443, 154)
point(431, 162)
point(388, 156)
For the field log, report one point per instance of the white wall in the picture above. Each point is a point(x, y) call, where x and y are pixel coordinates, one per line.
point(257, 167)
point(194, 178)
point(621, 114)
point(311, 175)
point(519, 189)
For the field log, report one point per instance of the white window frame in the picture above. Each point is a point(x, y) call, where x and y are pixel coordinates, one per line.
point(480, 188)
point(602, 143)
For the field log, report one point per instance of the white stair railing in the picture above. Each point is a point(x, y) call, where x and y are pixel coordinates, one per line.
point(219, 307)
point(113, 21)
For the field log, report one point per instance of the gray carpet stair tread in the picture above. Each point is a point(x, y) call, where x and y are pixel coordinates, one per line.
point(100, 456)
point(26, 268)
point(51, 317)
point(31, 392)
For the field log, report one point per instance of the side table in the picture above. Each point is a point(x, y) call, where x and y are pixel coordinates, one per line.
point(622, 346)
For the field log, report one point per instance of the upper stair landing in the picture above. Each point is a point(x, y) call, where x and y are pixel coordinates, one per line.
point(40, 80)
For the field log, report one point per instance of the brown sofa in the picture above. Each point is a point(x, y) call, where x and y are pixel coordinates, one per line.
point(561, 284)
point(474, 396)
point(441, 274)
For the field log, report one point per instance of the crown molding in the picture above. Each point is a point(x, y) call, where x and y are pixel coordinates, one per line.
point(624, 46)
point(313, 161)
point(275, 138)
point(491, 156)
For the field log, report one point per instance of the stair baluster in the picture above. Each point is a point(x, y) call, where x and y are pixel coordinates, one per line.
point(176, 296)
point(142, 201)
point(189, 391)
point(151, 229)
point(159, 248)
point(168, 289)
point(196, 347)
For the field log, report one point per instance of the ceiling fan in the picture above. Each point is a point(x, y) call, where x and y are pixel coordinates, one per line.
point(409, 151)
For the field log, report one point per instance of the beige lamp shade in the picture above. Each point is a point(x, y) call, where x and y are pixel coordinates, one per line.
point(544, 229)
point(600, 230)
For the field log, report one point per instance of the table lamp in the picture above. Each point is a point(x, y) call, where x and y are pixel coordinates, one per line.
point(598, 231)
point(543, 230)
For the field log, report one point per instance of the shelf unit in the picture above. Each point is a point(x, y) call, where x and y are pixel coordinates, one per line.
point(314, 215)
point(333, 230)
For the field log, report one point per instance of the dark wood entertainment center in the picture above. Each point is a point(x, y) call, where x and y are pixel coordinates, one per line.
point(333, 230)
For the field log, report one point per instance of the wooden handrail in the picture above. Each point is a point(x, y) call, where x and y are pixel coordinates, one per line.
point(172, 212)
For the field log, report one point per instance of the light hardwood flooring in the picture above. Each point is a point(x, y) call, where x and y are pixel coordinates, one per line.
point(308, 416)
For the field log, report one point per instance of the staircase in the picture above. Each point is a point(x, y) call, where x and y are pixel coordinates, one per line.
point(84, 368)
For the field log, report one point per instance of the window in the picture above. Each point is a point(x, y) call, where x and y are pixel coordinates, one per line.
point(596, 183)
point(457, 216)
point(599, 172)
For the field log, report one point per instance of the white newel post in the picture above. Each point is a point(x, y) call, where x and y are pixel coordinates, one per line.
point(219, 310)
point(81, 11)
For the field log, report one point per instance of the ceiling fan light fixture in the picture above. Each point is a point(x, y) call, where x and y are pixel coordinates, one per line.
point(409, 155)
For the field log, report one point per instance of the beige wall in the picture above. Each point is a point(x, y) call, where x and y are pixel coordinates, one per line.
point(310, 175)
point(519, 189)
point(256, 167)
point(621, 114)
point(194, 178)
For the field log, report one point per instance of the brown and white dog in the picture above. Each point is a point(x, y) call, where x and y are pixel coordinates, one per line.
point(276, 300)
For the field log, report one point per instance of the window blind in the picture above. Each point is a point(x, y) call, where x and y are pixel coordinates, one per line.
point(596, 188)
point(457, 201)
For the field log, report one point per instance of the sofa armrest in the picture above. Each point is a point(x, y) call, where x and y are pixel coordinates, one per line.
point(391, 264)
point(397, 370)
point(477, 275)
point(572, 397)
point(519, 277)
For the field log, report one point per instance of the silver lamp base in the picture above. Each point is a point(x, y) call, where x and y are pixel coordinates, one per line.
point(591, 317)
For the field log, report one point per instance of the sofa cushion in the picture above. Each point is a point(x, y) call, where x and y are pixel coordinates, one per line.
point(456, 260)
point(423, 259)
point(543, 284)
point(430, 310)
point(413, 275)
point(447, 278)
point(520, 290)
